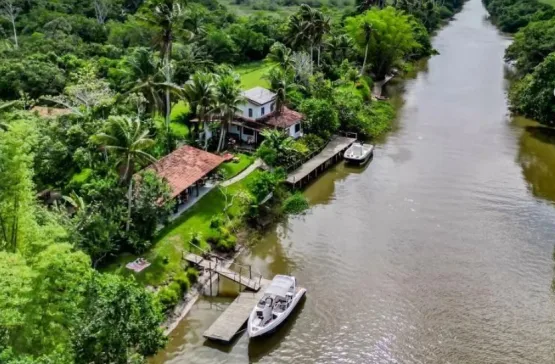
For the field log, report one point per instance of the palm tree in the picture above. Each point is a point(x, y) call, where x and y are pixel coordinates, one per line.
point(200, 93)
point(367, 28)
point(280, 142)
point(129, 141)
point(145, 77)
point(164, 16)
point(280, 56)
point(321, 26)
point(339, 46)
point(228, 98)
point(280, 82)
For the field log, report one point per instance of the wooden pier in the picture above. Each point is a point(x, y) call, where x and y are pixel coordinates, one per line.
point(331, 153)
point(230, 322)
point(244, 277)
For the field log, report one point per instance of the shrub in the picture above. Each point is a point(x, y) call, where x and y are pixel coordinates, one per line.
point(192, 275)
point(168, 297)
point(321, 117)
point(295, 204)
point(183, 281)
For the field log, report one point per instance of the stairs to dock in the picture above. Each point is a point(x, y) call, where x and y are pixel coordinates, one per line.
point(238, 273)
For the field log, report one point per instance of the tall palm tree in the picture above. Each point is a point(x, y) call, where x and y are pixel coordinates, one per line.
point(280, 82)
point(367, 29)
point(321, 26)
point(228, 98)
point(129, 141)
point(201, 95)
point(339, 46)
point(145, 77)
point(165, 16)
point(280, 56)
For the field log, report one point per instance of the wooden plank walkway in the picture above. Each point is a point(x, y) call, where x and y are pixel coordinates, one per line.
point(253, 284)
point(335, 147)
point(234, 317)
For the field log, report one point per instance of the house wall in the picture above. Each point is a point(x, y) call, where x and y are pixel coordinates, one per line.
point(295, 131)
point(235, 129)
point(256, 110)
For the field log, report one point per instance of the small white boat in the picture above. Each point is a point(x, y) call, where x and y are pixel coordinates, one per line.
point(359, 153)
point(279, 300)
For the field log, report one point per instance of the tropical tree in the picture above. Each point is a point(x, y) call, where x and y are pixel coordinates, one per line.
point(16, 185)
point(280, 82)
point(201, 95)
point(228, 99)
point(129, 141)
point(9, 10)
point(165, 16)
point(143, 76)
point(321, 26)
point(384, 37)
point(277, 147)
point(281, 56)
point(339, 47)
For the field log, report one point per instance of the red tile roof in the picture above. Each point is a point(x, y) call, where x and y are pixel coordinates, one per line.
point(184, 166)
point(285, 119)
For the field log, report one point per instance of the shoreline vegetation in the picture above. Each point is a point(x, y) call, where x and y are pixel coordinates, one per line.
point(532, 54)
point(92, 94)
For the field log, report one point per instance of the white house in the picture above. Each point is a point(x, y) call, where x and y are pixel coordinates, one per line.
point(259, 113)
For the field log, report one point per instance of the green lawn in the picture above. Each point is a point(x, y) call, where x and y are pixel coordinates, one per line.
point(548, 2)
point(231, 169)
point(166, 253)
point(252, 74)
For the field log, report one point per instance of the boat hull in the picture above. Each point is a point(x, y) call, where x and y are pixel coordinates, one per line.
point(255, 331)
point(359, 161)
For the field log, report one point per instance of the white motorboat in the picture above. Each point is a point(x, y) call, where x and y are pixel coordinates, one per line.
point(279, 300)
point(359, 153)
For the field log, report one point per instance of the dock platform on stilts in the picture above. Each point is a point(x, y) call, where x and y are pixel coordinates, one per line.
point(230, 322)
point(329, 155)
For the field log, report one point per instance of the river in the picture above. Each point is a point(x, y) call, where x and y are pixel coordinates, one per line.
point(440, 251)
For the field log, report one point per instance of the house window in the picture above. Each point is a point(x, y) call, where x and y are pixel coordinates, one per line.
point(262, 112)
point(297, 128)
point(272, 107)
point(250, 113)
point(247, 131)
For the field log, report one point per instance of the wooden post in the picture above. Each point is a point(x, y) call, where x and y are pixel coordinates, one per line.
point(250, 272)
point(210, 276)
point(240, 270)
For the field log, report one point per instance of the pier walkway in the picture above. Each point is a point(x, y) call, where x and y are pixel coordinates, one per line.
point(330, 154)
point(243, 277)
point(230, 322)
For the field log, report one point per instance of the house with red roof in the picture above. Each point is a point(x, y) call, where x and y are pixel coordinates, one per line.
point(259, 113)
point(186, 170)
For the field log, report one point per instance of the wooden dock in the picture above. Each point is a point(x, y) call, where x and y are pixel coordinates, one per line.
point(244, 278)
point(230, 322)
point(328, 156)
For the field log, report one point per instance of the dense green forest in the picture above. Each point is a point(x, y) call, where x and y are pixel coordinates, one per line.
point(532, 53)
point(122, 80)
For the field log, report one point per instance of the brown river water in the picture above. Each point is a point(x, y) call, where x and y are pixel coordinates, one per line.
point(439, 251)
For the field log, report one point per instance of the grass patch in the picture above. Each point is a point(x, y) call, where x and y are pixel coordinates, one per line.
point(548, 2)
point(252, 74)
point(231, 169)
point(165, 255)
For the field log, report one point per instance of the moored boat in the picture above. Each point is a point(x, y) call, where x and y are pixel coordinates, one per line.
point(279, 300)
point(359, 153)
